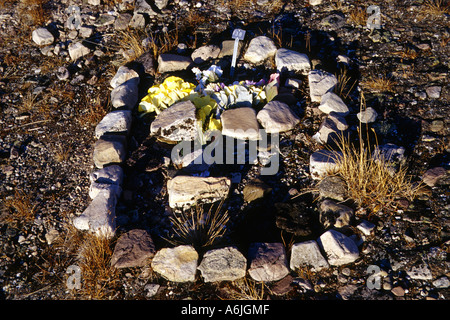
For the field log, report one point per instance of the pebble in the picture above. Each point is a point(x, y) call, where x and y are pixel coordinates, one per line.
point(42, 37)
point(434, 92)
point(133, 249)
point(369, 115)
point(339, 248)
point(307, 254)
point(331, 102)
point(78, 50)
point(224, 264)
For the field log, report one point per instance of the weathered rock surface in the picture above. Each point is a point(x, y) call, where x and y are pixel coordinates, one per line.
point(323, 161)
point(260, 49)
point(168, 62)
point(289, 60)
point(42, 37)
point(118, 121)
point(331, 102)
point(267, 261)
point(126, 94)
point(240, 123)
point(185, 191)
point(133, 249)
point(225, 264)
point(176, 123)
point(339, 248)
point(320, 82)
point(333, 214)
point(177, 264)
point(109, 149)
point(277, 117)
point(307, 254)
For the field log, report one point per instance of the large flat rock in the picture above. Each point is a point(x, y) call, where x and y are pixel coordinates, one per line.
point(240, 123)
point(277, 117)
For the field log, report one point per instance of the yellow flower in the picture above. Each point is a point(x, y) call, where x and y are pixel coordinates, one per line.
point(214, 124)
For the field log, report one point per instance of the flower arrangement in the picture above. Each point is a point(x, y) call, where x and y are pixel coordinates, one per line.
point(210, 96)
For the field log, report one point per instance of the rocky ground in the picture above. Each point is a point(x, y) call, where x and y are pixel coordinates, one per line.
point(51, 102)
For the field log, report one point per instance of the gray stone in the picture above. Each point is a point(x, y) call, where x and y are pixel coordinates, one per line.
point(176, 123)
point(420, 272)
point(133, 249)
point(148, 62)
point(320, 82)
point(205, 53)
point(161, 4)
point(96, 187)
point(366, 227)
point(334, 214)
point(307, 254)
point(152, 289)
point(259, 50)
point(240, 123)
point(432, 176)
point(339, 248)
point(333, 21)
point(177, 264)
point(267, 262)
point(111, 175)
point(122, 21)
point(78, 50)
point(168, 62)
point(225, 264)
point(185, 191)
point(109, 149)
point(104, 20)
point(434, 92)
point(137, 21)
point(441, 283)
point(331, 129)
point(100, 216)
point(122, 75)
point(118, 121)
point(333, 187)
point(289, 60)
point(277, 117)
point(367, 116)
point(315, 2)
point(331, 102)
point(86, 32)
point(322, 162)
point(228, 47)
point(42, 37)
point(126, 95)
point(63, 73)
point(142, 6)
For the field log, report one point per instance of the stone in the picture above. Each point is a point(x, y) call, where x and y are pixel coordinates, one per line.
point(333, 187)
point(320, 82)
point(333, 21)
point(177, 264)
point(168, 62)
point(240, 123)
point(367, 116)
point(331, 129)
point(205, 53)
point(259, 50)
point(398, 291)
point(148, 62)
point(333, 214)
point(122, 75)
point(137, 21)
point(118, 121)
point(133, 249)
point(338, 248)
point(161, 4)
point(100, 216)
point(63, 73)
point(78, 50)
point(95, 188)
point(441, 283)
point(185, 191)
point(432, 176)
point(307, 254)
point(42, 37)
point(142, 6)
point(176, 123)
point(109, 175)
point(224, 264)
point(434, 92)
point(109, 149)
point(323, 161)
point(85, 32)
point(289, 60)
point(152, 289)
point(104, 20)
point(255, 189)
point(283, 286)
point(267, 262)
point(192, 162)
point(227, 48)
point(315, 2)
point(366, 227)
point(126, 94)
point(437, 125)
point(420, 272)
point(122, 21)
point(277, 117)
point(331, 102)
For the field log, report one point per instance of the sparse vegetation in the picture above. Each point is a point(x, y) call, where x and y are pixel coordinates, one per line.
point(21, 208)
point(436, 7)
point(358, 16)
point(378, 83)
point(248, 289)
point(199, 227)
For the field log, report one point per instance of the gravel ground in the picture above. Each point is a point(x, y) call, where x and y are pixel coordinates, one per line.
point(47, 137)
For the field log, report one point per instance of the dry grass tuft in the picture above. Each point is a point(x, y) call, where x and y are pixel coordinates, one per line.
point(33, 11)
point(436, 7)
point(198, 227)
point(98, 276)
point(20, 207)
point(344, 86)
point(247, 289)
point(378, 83)
point(358, 16)
point(371, 181)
